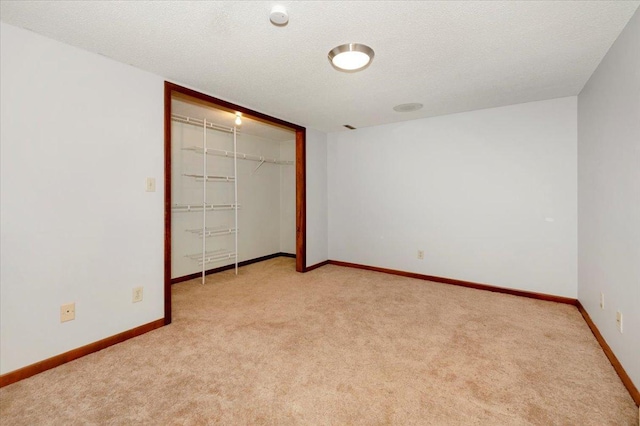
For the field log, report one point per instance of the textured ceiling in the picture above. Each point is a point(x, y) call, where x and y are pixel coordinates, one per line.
point(449, 56)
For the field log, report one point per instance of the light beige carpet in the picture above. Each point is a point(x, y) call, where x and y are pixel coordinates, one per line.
point(337, 346)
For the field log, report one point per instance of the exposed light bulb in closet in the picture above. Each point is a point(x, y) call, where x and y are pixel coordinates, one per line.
point(238, 119)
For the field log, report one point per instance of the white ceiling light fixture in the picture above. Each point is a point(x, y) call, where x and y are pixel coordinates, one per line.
point(351, 57)
point(238, 118)
point(407, 107)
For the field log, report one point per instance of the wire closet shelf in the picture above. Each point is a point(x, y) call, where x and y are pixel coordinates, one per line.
point(205, 257)
point(222, 152)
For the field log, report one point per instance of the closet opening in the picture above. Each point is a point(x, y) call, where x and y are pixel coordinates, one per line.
point(234, 188)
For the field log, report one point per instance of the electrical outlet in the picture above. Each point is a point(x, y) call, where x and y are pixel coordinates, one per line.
point(421, 254)
point(619, 321)
point(151, 184)
point(67, 312)
point(601, 300)
point(137, 294)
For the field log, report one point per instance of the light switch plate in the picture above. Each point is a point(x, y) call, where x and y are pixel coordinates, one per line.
point(137, 295)
point(619, 323)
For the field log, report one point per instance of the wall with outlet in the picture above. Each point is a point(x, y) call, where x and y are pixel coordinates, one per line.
point(80, 135)
point(488, 195)
point(609, 197)
point(81, 208)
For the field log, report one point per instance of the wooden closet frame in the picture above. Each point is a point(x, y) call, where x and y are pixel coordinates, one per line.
point(174, 90)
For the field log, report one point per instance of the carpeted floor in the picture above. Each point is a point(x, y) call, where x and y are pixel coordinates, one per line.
point(337, 346)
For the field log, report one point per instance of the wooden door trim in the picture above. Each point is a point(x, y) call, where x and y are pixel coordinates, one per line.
point(301, 201)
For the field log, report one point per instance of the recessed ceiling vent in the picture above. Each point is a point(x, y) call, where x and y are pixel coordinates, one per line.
point(407, 107)
point(349, 127)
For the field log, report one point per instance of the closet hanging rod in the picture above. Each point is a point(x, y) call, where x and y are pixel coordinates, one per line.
point(199, 122)
point(199, 207)
point(240, 155)
point(213, 232)
point(210, 178)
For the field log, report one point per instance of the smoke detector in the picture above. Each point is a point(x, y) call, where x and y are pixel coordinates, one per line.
point(279, 15)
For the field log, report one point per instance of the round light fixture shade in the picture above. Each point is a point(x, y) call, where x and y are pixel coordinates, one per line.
point(351, 57)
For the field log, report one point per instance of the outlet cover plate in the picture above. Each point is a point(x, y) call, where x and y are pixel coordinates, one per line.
point(67, 312)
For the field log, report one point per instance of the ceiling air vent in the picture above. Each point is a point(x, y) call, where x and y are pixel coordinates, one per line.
point(407, 107)
point(349, 127)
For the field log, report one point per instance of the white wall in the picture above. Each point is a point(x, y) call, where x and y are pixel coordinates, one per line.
point(288, 198)
point(317, 226)
point(473, 190)
point(609, 196)
point(79, 135)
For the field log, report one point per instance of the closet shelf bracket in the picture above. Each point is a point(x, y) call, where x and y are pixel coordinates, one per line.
point(256, 169)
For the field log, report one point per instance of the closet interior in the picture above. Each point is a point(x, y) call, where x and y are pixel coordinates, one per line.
point(233, 195)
